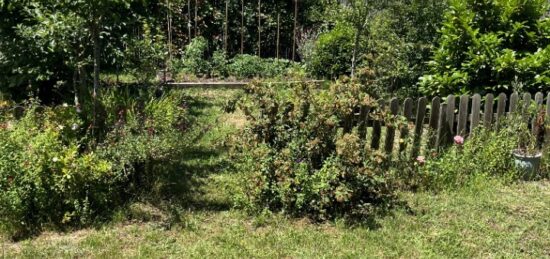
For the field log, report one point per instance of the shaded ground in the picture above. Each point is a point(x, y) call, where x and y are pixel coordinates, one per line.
point(487, 219)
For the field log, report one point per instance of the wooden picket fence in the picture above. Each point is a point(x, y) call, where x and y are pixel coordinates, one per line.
point(432, 126)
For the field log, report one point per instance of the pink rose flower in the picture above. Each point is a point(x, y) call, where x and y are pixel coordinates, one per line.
point(459, 140)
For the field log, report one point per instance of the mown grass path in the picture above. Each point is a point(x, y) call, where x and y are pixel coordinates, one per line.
point(486, 219)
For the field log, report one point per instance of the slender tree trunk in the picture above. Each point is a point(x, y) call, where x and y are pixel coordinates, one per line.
point(278, 31)
point(196, 18)
point(295, 29)
point(189, 20)
point(242, 26)
point(169, 29)
point(97, 60)
point(226, 25)
point(259, 28)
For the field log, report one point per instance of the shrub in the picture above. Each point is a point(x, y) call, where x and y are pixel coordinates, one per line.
point(44, 178)
point(142, 57)
point(53, 171)
point(249, 66)
point(485, 153)
point(487, 45)
point(194, 59)
point(302, 155)
point(332, 53)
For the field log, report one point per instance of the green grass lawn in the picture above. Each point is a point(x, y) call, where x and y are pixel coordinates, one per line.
point(486, 219)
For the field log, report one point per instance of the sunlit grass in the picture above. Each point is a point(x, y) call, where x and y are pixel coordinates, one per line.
point(485, 219)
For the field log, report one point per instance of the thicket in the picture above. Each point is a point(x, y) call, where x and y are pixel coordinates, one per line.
point(196, 63)
point(304, 153)
point(58, 169)
point(301, 153)
point(488, 45)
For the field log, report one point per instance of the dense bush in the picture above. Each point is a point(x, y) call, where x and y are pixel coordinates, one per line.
point(486, 45)
point(332, 53)
point(54, 171)
point(240, 67)
point(194, 60)
point(301, 153)
point(249, 66)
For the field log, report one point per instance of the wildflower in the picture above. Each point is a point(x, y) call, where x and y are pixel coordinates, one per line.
point(75, 126)
point(55, 159)
point(459, 140)
point(65, 105)
point(421, 160)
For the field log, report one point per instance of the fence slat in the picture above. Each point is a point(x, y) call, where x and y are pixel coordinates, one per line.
point(407, 113)
point(434, 116)
point(513, 102)
point(442, 127)
point(419, 125)
point(488, 110)
point(377, 129)
point(500, 108)
point(476, 106)
point(463, 115)
point(363, 121)
point(451, 99)
point(539, 99)
point(526, 103)
point(390, 129)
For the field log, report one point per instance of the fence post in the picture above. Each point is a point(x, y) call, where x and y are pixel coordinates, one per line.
point(407, 113)
point(513, 103)
point(419, 125)
point(442, 127)
point(539, 99)
point(377, 128)
point(434, 116)
point(500, 108)
point(476, 106)
point(463, 115)
point(488, 111)
point(390, 129)
point(451, 99)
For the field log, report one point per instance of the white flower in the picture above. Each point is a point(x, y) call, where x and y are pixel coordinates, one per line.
point(65, 105)
point(75, 126)
point(55, 159)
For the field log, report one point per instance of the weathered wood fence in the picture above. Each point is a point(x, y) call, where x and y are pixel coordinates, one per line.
point(432, 125)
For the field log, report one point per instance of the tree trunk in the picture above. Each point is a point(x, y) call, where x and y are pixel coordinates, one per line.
point(294, 31)
point(189, 20)
point(169, 30)
point(97, 60)
point(259, 28)
point(196, 17)
point(278, 31)
point(226, 25)
point(242, 26)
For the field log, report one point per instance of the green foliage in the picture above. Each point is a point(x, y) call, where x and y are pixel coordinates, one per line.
point(44, 177)
point(143, 56)
point(486, 45)
point(401, 37)
point(54, 171)
point(302, 156)
point(485, 153)
point(332, 53)
point(194, 60)
point(249, 66)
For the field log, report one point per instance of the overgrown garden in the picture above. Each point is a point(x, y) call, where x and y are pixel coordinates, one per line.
point(353, 113)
